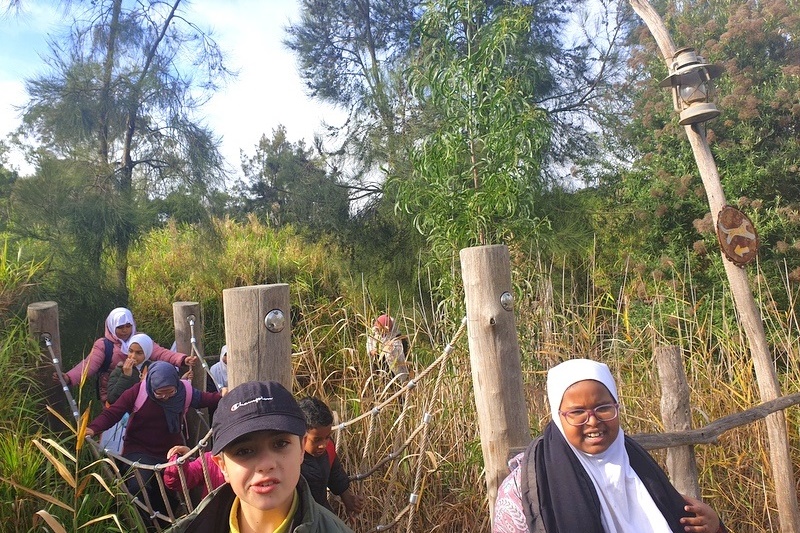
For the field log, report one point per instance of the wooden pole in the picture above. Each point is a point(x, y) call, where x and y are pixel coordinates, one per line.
point(677, 416)
point(495, 360)
point(780, 456)
point(188, 330)
point(259, 334)
point(43, 328)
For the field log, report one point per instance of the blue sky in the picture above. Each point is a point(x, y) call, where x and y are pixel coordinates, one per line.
point(267, 92)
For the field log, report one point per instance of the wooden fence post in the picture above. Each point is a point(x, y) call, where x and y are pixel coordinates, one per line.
point(188, 328)
point(749, 315)
point(495, 360)
point(258, 331)
point(43, 321)
point(676, 413)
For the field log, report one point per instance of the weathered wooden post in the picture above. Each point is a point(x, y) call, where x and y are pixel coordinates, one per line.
point(188, 330)
point(676, 413)
point(43, 328)
point(495, 360)
point(749, 315)
point(258, 331)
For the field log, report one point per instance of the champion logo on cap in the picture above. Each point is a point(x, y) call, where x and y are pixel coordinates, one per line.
point(237, 405)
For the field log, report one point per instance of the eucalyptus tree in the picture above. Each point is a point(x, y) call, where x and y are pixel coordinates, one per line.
point(477, 175)
point(355, 53)
point(350, 54)
point(119, 103)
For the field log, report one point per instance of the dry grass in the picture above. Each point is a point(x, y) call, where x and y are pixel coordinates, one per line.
point(735, 474)
point(557, 316)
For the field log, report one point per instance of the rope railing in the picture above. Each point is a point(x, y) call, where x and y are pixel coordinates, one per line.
point(60, 373)
point(140, 471)
point(200, 357)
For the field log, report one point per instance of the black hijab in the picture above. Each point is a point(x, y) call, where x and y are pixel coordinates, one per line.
point(565, 496)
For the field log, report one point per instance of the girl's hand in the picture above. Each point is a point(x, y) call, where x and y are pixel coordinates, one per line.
point(177, 450)
point(706, 519)
point(127, 366)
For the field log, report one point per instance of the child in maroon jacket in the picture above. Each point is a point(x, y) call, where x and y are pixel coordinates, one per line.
point(154, 426)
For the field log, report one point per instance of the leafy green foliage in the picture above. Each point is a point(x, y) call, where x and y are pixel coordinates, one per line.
point(476, 177)
point(184, 263)
point(660, 202)
point(119, 102)
point(286, 184)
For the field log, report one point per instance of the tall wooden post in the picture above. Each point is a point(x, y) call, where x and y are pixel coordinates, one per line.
point(769, 387)
point(258, 331)
point(189, 329)
point(676, 413)
point(495, 360)
point(43, 328)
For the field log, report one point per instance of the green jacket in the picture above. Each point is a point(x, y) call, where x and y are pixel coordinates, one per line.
point(213, 513)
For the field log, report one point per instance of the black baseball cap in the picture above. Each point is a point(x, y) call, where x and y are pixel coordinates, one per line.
point(256, 406)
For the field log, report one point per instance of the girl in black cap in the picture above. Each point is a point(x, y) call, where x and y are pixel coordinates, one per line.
point(257, 444)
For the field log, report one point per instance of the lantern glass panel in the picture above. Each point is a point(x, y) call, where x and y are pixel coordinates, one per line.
point(693, 86)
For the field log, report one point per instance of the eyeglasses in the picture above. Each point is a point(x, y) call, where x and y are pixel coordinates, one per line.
point(579, 417)
point(165, 393)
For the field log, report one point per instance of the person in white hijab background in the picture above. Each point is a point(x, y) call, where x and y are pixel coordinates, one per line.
point(130, 371)
point(583, 474)
point(219, 370)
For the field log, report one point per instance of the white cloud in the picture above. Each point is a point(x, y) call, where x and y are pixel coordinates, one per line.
point(268, 90)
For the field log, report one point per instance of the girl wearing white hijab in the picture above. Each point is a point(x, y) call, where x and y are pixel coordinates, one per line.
point(112, 349)
point(584, 475)
point(129, 372)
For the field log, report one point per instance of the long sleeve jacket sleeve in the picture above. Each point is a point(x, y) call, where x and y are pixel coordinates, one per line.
point(193, 472)
point(162, 354)
point(95, 360)
point(118, 382)
point(147, 430)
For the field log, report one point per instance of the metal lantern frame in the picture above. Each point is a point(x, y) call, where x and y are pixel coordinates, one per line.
point(689, 71)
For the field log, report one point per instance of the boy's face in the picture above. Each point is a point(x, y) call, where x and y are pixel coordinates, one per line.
point(263, 469)
point(316, 440)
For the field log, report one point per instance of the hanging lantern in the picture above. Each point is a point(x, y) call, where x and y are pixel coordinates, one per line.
point(690, 80)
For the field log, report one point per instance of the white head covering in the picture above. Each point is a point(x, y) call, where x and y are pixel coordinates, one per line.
point(116, 318)
point(223, 352)
point(146, 343)
point(625, 503)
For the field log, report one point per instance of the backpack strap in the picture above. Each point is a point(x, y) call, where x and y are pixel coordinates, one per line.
point(108, 352)
point(331, 450)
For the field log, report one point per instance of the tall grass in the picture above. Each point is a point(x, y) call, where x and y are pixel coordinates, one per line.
point(559, 314)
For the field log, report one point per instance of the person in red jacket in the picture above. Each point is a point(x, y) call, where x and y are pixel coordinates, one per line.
point(192, 471)
point(155, 426)
point(119, 328)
